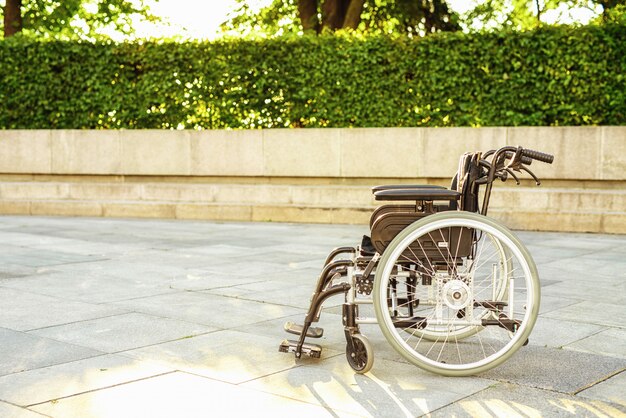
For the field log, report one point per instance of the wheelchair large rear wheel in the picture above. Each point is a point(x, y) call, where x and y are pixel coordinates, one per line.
point(456, 293)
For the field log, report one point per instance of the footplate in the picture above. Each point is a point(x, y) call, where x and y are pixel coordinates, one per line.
point(290, 346)
point(312, 332)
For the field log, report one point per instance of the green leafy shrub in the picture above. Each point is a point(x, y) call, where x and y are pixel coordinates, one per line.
point(550, 76)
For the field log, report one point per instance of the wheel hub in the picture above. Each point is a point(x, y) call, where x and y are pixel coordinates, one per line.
point(456, 294)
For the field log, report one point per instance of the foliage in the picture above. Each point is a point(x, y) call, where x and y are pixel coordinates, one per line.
point(530, 14)
point(82, 19)
point(549, 76)
point(616, 14)
point(408, 17)
point(417, 18)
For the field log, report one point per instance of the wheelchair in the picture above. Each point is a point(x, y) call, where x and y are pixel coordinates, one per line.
point(453, 291)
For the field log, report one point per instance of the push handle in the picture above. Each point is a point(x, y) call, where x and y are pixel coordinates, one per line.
point(523, 158)
point(536, 155)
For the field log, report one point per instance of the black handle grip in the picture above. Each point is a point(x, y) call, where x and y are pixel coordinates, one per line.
point(523, 159)
point(536, 155)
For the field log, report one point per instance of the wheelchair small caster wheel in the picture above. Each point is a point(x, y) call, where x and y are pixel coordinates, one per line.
point(361, 355)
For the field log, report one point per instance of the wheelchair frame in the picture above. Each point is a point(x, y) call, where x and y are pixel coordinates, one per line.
point(454, 292)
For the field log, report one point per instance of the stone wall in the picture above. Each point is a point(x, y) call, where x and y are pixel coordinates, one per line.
point(307, 175)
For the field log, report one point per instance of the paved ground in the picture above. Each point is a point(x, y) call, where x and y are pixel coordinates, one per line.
point(144, 318)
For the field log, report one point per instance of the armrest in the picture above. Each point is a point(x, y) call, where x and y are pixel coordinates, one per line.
point(405, 186)
point(417, 194)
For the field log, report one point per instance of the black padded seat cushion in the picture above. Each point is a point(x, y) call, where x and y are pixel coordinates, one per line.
point(417, 194)
point(405, 186)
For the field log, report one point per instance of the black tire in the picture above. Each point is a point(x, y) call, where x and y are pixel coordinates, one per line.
point(361, 358)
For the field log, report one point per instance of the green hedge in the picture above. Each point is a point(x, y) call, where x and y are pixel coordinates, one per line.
point(551, 76)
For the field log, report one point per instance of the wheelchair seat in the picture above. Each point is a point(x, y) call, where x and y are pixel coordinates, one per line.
point(387, 221)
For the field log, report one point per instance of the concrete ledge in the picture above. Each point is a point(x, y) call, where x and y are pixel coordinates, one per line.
point(582, 153)
point(303, 175)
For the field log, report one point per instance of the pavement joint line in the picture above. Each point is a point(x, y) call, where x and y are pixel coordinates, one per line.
point(600, 381)
point(133, 348)
point(28, 331)
point(103, 388)
point(496, 383)
point(256, 301)
point(216, 288)
point(565, 347)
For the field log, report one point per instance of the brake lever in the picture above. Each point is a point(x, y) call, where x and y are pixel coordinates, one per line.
point(513, 175)
point(531, 174)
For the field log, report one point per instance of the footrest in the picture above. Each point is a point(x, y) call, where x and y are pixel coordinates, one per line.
point(312, 332)
point(311, 350)
point(491, 305)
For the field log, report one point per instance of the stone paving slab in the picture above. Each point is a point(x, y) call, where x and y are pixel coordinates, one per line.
point(207, 309)
point(17, 310)
point(610, 342)
point(563, 371)
point(122, 332)
point(11, 411)
point(507, 400)
point(228, 356)
point(390, 390)
point(611, 390)
point(181, 395)
point(23, 256)
point(593, 312)
point(67, 379)
point(20, 352)
point(196, 280)
point(558, 333)
point(93, 287)
point(279, 293)
point(182, 318)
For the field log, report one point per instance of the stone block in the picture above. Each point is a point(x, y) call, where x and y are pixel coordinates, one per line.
point(613, 223)
point(150, 152)
point(613, 157)
point(253, 193)
point(521, 198)
point(227, 153)
point(381, 152)
point(104, 191)
point(66, 208)
point(443, 147)
point(177, 192)
point(214, 212)
point(14, 207)
point(291, 214)
point(85, 151)
point(576, 150)
point(303, 152)
point(332, 196)
point(25, 151)
point(351, 216)
point(138, 210)
point(28, 190)
point(548, 220)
